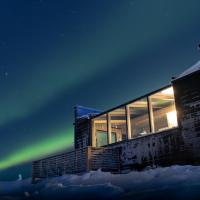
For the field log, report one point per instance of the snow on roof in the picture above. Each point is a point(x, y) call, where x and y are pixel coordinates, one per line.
point(193, 68)
point(85, 112)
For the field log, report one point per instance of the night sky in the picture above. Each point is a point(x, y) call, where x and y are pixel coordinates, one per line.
point(55, 54)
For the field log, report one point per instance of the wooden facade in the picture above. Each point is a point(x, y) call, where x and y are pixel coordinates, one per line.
point(77, 162)
point(178, 145)
point(187, 98)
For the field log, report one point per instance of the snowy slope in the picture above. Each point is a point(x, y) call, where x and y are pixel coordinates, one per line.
point(176, 182)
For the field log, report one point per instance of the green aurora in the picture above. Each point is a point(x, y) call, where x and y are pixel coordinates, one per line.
point(43, 148)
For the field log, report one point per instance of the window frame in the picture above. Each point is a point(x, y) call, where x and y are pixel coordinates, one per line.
point(128, 123)
point(151, 112)
point(128, 107)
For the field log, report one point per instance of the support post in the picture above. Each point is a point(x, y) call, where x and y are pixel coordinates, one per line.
point(128, 122)
point(89, 149)
point(109, 128)
point(151, 117)
point(93, 134)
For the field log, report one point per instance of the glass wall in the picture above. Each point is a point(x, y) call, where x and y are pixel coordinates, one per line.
point(118, 125)
point(100, 126)
point(147, 115)
point(163, 110)
point(139, 118)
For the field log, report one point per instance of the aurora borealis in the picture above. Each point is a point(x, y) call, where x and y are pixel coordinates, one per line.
point(44, 148)
point(56, 54)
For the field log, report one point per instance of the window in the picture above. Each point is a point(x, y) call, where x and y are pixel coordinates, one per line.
point(100, 135)
point(147, 115)
point(113, 137)
point(101, 138)
point(163, 110)
point(117, 124)
point(138, 115)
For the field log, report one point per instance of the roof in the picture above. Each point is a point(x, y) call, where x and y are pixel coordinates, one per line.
point(190, 70)
point(124, 104)
point(85, 112)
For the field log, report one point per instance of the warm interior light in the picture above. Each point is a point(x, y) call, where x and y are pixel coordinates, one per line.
point(172, 119)
point(168, 91)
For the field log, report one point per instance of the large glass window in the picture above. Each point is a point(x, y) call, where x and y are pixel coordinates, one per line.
point(144, 116)
point(100, 135)
point(118, 125)
point(138, 116)
point(163, 110)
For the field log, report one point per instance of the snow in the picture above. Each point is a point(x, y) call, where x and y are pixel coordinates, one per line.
point(190, 70)
point(175, 182)
point(85, 112)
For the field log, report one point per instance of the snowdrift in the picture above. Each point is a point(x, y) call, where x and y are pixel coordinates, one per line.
point(175, 182)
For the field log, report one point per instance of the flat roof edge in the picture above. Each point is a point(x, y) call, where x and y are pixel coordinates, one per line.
point(185, 77)
point(116, 107)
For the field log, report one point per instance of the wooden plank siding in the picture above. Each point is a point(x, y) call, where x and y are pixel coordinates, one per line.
point(158, 149)
point(82, 134)
point(66, 163)
point(187, 98)
point(77, 162)
point(105, 159)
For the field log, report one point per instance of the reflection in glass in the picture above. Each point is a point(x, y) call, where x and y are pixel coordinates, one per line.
point(118, 124)
point(144, 116)
point(100, 131)
point(163, 108)
point(139, 118)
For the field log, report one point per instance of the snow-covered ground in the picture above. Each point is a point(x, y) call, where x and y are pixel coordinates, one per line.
point(175, 182)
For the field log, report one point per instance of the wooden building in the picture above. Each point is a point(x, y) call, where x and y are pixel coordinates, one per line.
point(158, 129)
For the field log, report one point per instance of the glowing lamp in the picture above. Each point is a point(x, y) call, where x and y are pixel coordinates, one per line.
point(172, 119)
point(168, 91)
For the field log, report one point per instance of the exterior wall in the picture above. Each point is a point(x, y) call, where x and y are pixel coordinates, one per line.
point(82, 136)
point(77, 162)
point(105, 159)
point(82, 126)
point(187, 97)
point(164, 148)
point(66, 163)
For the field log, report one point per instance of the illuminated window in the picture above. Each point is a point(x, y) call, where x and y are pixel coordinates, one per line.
point(100, 136)
point(163, 110)
point(118, 125)
point(139, 118)
point(147, 115)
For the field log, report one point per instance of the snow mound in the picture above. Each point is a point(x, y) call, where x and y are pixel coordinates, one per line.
point(175, 182)
point(192, 69)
